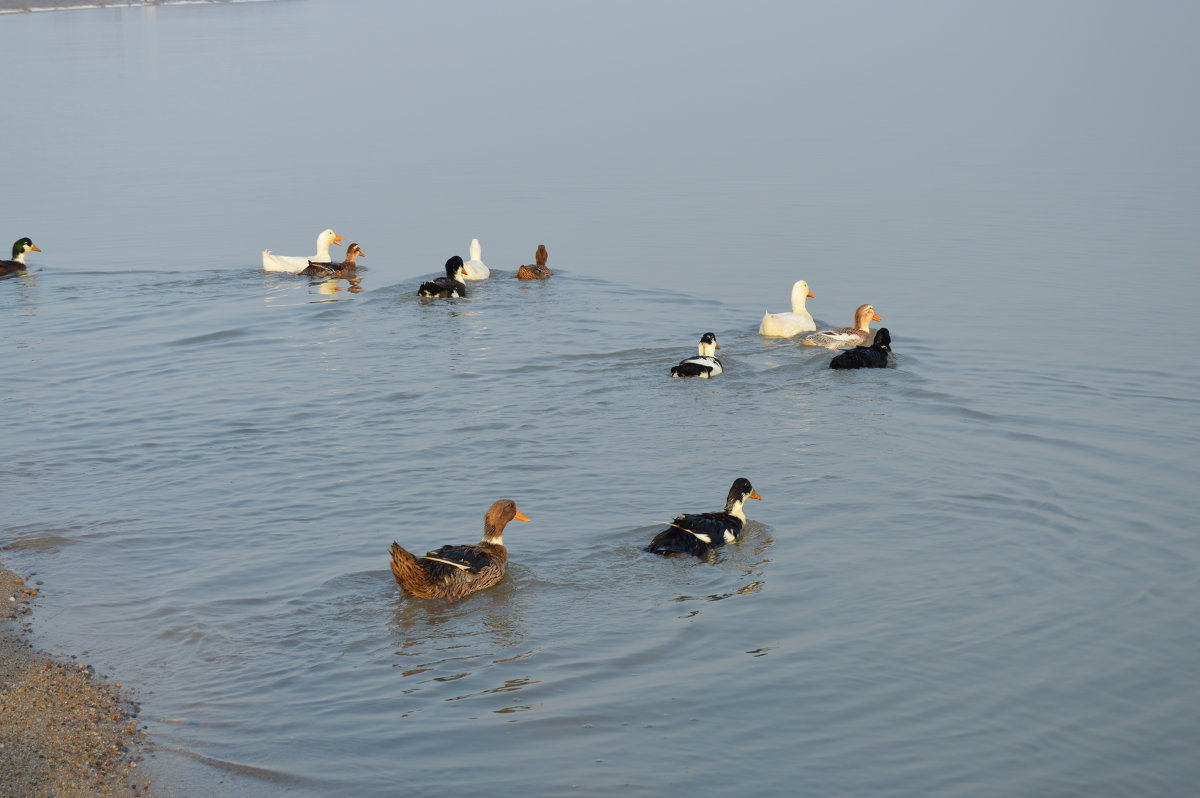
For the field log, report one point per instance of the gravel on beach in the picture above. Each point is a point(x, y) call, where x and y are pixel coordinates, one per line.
point(65, 731)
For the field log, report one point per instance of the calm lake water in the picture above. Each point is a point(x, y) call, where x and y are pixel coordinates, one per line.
point(973, 574)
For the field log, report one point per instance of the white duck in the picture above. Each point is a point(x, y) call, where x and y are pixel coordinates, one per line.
point(785, 325)
point(298, 263)
point(474, 268)
point(846, 336)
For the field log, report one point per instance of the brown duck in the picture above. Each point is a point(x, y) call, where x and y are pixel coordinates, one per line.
point(316, 269)
point(452, 572)
point(538, 271)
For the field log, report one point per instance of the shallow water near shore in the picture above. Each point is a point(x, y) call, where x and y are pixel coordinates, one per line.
point(972, 573)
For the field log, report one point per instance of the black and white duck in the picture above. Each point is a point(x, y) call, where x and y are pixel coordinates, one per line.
point(453, 284)
point(699, 533)
point(706, 364)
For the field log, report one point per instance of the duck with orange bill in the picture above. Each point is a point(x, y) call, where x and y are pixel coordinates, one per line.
point(452, 285)
point(454, 571)
point(846, 336)
point(785, 325)
point(294, 264)
point(699, 534)
point(350, 264)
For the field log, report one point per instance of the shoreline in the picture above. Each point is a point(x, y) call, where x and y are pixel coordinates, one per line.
point(35, 6)
point(65, 730)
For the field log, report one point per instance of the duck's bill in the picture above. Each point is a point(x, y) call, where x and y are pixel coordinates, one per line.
point(875, 317)
point(718, 346)
point(35, 248)
point(754, 495)
point(811, 295)
point(520, 516)
point(337, 240)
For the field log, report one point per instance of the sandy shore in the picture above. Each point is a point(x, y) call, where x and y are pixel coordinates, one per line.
point(65, 731)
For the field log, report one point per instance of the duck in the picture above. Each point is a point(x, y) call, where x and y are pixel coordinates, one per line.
point(539, 270)
point(874, 356)
point(17, 265)
point(449, 286)
point(298, 263)
point(452, 572)
point(475, 268)
point(785, 325)
point(315, 269)
point(699, 533)
point(705, 365)
point(846, 336)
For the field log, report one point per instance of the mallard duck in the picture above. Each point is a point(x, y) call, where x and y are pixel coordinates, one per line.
point(298, 263)
point(874, 356)
point(452, 572)
point(700, 533)
point(846, 336)
point(703, 365)
point(785, 325)
point(315, 269)
point(450, 285)
point(475, 268)
point(17, 264)
point(539, 270)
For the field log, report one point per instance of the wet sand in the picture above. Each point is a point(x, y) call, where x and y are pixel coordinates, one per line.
point(65, 730)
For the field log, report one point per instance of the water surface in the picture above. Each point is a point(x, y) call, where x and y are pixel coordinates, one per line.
point(972, 574)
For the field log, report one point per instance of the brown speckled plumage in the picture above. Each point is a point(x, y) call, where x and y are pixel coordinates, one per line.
point(353, 252)
point(539, 270)
point(452, 572)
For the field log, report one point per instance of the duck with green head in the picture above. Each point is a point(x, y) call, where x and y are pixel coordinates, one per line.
point(17, 264)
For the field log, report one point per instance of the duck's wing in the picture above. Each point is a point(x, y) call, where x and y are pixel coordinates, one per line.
point(471, 559)
point(698, 366)
point(714, 528)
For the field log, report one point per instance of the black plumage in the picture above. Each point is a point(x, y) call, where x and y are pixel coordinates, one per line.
point(874, 356)
point(452, 285)
point(698, 534)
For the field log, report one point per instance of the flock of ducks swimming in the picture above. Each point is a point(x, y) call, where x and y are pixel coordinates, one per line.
point(454, 571)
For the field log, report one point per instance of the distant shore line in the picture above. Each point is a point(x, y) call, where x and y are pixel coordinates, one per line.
point(31, 6)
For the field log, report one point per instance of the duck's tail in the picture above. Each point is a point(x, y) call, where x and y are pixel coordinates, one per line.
point(409, 574)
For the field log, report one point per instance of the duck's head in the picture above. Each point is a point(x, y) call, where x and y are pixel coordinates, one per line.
point(541, 256)
point(801, 289)
point(21, 246)
point(883, 339)
point(497, 517)
point(354, 251)
point(738, 493)
point(329, 238)
point(455, 269)
point(708, 344)
point(864, 315)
